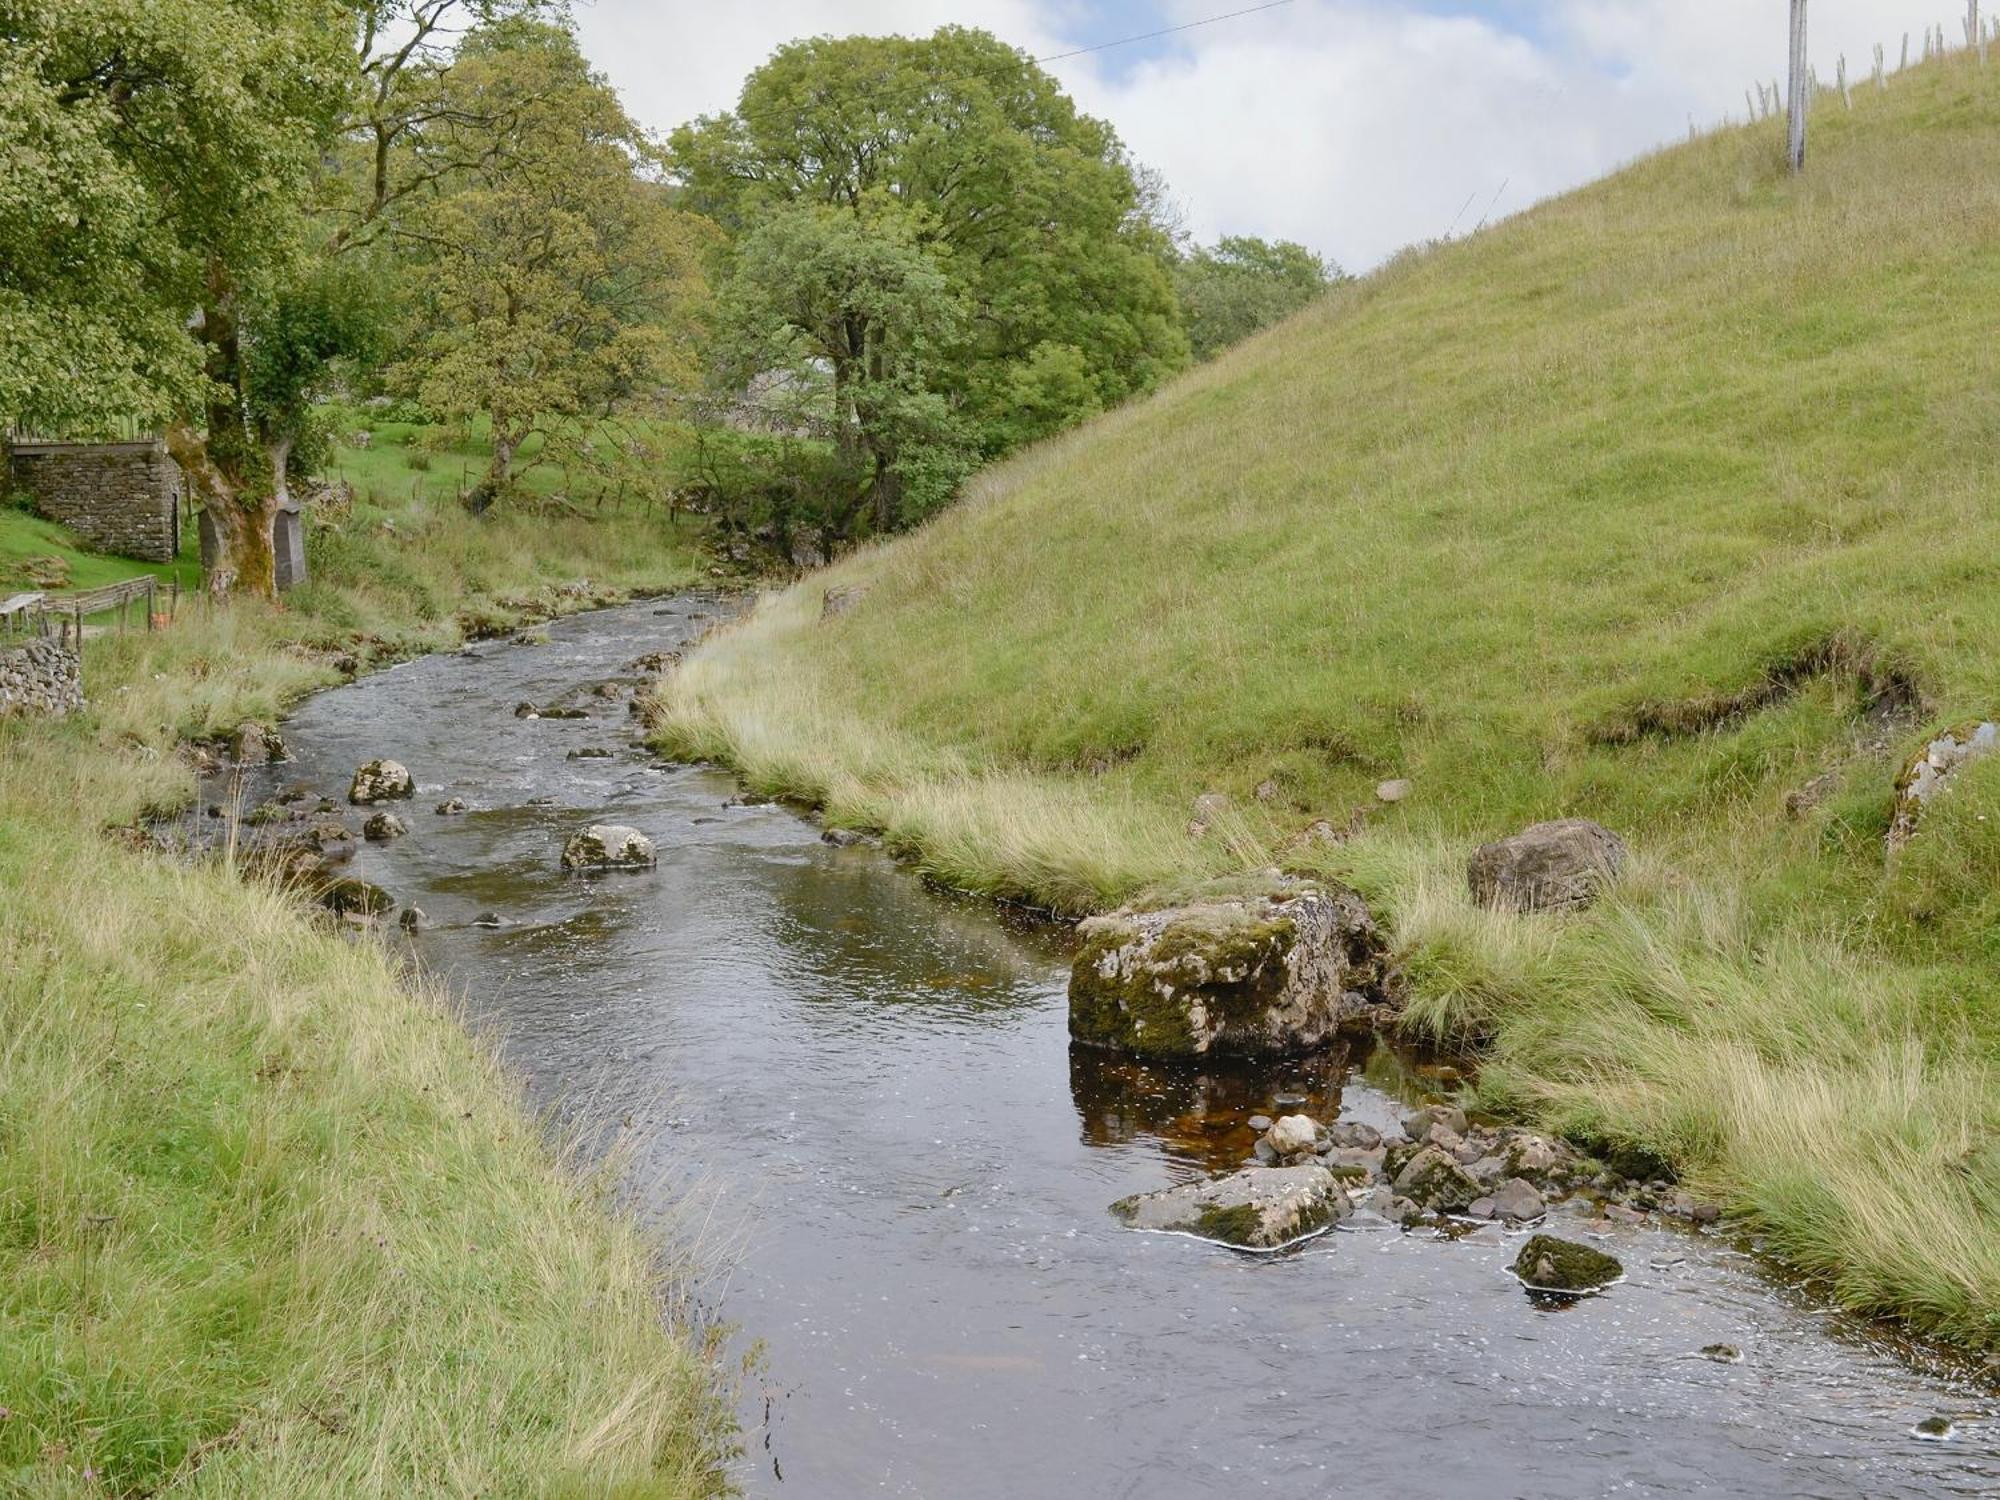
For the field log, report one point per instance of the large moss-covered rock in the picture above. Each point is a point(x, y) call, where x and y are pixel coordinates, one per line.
point(1548, 1264)
point(1245, 976)
point(1258, 1208)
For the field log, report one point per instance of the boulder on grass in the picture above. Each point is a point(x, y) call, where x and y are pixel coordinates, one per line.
point(1548, 1264)
point(609, 846)
point(1549, 867)
point(255, 744)
point(380, 781)
point(1258, 1208)
point(1237, 976)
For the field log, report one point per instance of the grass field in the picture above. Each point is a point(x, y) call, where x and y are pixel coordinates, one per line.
point(1659, 504)
point(271, 1221)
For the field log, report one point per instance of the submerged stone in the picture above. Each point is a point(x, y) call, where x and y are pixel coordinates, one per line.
point(1257, 1208)
point(1548, 1264)
point(1243, 976)
point(350, 896)
point(383, 827)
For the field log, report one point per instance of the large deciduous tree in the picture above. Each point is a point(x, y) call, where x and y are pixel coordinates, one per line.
point(957, 150)
point(555, 279)
point(160, 160)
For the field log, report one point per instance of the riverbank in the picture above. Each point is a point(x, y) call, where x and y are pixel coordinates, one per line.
point(1659, 504)
point(271, 1220)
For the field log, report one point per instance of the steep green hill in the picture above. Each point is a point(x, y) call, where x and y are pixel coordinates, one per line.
point(1674, 503)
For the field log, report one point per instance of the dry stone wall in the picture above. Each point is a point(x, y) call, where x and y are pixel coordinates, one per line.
point(119, 497)
point(40, 678)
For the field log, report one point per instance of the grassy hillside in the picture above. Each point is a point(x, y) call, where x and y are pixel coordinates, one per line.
point(271, 1221)
point(1658, 504)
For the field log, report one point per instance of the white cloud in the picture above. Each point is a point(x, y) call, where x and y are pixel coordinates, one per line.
point(1356, 126)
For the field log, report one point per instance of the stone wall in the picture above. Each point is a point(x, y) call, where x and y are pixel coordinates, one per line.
point(39, 677)
point(119, 497)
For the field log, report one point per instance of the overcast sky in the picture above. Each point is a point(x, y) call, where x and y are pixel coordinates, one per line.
point(1355, 126)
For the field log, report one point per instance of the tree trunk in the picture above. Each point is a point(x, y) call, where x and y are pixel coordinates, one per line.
point(242, 522)
point(499, 474)
point(888, 495)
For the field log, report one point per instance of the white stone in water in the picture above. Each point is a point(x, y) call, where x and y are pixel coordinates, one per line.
point(1293, 1135)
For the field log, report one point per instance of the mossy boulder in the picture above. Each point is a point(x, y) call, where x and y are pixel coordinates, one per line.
point(1548, 1264)
point(349, 896)
point(609, 846)
point(1251, 976)
point(380, 781)
point(1435, 1181)
point(1258, 1208)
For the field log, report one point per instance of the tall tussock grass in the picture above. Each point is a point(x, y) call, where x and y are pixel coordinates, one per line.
point(272, 1222)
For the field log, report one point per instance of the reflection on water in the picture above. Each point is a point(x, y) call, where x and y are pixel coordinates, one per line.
point(870, 1090)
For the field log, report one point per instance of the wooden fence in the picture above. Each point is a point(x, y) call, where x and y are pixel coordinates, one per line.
point(63, 615)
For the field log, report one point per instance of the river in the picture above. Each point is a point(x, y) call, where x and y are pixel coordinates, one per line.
point(857, 1095)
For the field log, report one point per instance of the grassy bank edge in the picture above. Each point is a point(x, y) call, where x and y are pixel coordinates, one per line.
point(1840, 1106)
point(271, 1219)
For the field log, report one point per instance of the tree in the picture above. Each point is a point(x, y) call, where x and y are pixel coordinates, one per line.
point(958, 150)
point(816, 289)
point(1241, 285)
point(157, 159)
point(554, 280)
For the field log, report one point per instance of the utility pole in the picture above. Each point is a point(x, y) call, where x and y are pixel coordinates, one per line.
point(1795, 151)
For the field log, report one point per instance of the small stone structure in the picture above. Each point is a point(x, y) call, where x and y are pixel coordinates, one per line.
point(121, 497)
point(40, 677)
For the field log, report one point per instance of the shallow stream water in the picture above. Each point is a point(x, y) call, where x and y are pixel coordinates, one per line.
point(864, 1090)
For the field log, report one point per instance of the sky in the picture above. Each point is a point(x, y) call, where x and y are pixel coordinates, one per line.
point(1353, 126)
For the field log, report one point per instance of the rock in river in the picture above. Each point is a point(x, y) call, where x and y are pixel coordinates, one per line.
point(1258, 1208)
point(1547, 1264)
point(1549, 867)
point(383, 827)
point(1435, 1181)
point(609, 846)
point(1246, 976)
point(380, 781)
point(1294, 1135)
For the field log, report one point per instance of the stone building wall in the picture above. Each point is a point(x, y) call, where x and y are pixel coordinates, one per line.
point(119, 497)
point(41, 678)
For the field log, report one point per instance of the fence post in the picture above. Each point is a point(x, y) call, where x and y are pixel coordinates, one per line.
point(1880, 82)
point(1795, 147)
point(1845, 94)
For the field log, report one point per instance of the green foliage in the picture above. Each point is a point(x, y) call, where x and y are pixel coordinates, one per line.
point(146, 147)
point(1243, 284)
point(553, 282)
point(965, 221)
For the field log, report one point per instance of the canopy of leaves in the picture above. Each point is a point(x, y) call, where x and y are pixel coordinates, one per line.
point(553, 278)
point(1241, 285)
point(146, 144)
point(961, 148)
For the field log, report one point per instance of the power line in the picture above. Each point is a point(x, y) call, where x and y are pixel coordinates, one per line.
point(1150, 36)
